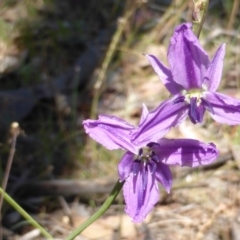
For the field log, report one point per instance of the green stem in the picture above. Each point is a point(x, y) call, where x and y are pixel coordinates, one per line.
point(99, 213)
point(24, 214)
point(199, 15)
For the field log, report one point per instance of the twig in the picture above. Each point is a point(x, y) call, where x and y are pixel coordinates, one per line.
point(14, 131)
point(206, 225)
point(66, 209)
point(233, 14)
point(172, 16)
point(67, 187)
point(102, 72)
point(33, 234)
point(109, 55)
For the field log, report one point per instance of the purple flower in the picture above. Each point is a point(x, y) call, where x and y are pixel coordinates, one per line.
point(146, 161)
point(193, 79)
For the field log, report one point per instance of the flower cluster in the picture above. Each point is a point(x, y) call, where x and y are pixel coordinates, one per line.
point(192, 79)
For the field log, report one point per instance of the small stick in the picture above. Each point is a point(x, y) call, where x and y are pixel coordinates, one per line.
point(14, 131)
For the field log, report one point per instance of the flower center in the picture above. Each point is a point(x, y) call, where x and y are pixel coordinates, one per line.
point(145, 154)
point(197, 104)
point(146, 159)
point(146, 162)
point(196, 95)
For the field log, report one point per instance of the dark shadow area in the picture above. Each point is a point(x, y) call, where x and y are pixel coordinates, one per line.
point(53, 51)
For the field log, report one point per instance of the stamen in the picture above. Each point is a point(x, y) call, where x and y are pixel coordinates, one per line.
point(198, 105)
point(144, 177)
point(193, 110)
point(196, 110)
point(146, 161)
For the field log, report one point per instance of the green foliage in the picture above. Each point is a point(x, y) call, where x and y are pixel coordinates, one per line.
point(5, 30)
point(228, 5)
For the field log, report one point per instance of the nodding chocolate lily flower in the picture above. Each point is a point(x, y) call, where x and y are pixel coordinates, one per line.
point(193, 79)
point(146, 160)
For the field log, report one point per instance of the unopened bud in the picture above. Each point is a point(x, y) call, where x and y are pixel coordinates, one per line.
point(199, 12)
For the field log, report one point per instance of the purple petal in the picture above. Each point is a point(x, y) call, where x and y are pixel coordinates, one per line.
point(188, 60)
point(136, 167)
point(179, 99)
point(196, 112)
point(144, 177)
point(164, 74)
point(152, 166)
point(226, 109)
point(111, 132)
point(159, 121)
point(125, 165)
point(139, 202)
point(144, 113)
point(207, 105)
point(185, 152)
point(214, 71)
point(164, 176)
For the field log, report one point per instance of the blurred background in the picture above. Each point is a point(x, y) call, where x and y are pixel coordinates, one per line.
point(65, 61)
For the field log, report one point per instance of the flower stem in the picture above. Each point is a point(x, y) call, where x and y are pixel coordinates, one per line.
point(116, 189)
point(200, 8)
point(24, 214)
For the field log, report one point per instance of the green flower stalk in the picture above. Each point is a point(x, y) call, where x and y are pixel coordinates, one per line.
point(200, 8)
point(116, 189)
point(20, 210)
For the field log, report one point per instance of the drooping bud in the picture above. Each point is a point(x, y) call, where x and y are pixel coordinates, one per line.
point(199, 12)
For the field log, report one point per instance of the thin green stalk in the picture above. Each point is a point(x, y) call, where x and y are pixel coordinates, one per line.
point(24, 214)
point(199, 14)
point(99, 213)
